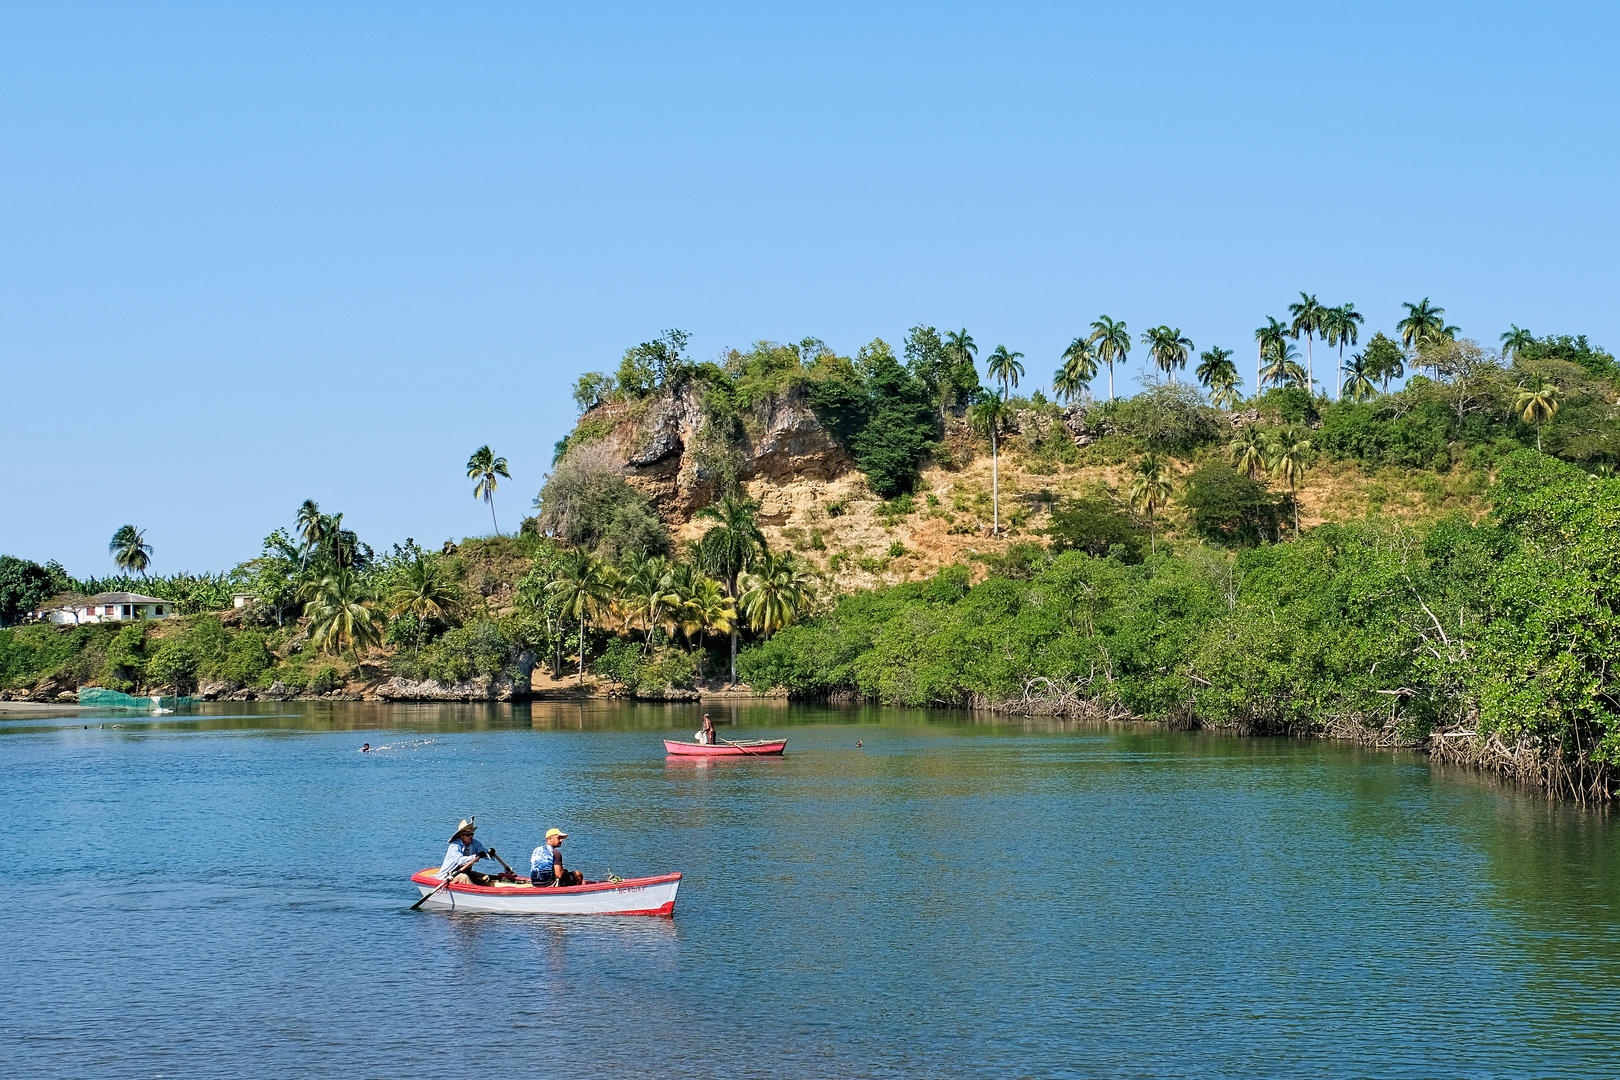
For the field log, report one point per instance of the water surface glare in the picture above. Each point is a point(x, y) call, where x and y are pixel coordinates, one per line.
point(226, 894)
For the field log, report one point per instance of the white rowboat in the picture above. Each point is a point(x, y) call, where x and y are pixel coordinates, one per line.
point(633, 896)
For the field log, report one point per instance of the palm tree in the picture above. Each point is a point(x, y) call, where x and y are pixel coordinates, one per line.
point(1217, 372)
point(1004, 365)
point(1223, 390)
point(129, 549)
point(1286, 451)
point(1423, 325)
point(1538, 403)
point(339, 613)
point(961, 348)
point(1248, 448)
point(708, 608)
point(1358, 384)
point(1113, 342)
point(1307, 315)
point(424, 590)
point(312, 527)
point(1341, 327)
point(647, 591)
point(1169, 349)
point(1515, 339)
point(484, 467)
point(1284, 366)
point(729, 546)
point(776, 592)
point(989, 417)
point(1079, 368)
point(584, 585)
point(1151, 490)
point(1269, 337)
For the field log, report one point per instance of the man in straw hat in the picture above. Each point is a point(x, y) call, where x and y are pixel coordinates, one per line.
point(464, 851)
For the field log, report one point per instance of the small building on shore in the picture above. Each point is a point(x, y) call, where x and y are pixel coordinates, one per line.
point(107, 607)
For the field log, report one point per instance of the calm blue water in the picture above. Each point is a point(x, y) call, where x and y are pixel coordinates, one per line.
point(225, 896)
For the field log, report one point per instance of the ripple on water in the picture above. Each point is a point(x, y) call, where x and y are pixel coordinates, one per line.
point(226, 894)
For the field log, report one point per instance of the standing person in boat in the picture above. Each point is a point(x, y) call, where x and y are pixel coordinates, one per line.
point(546, 865)
point(465, 850)
point(707, 735)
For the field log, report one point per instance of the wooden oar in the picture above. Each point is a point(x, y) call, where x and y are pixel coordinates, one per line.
point(744, 749)
point(502, 861)
point(428, 896)
point(446, 882)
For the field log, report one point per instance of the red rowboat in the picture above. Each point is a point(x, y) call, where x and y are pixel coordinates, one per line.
point(756, 748)
point(634, 896)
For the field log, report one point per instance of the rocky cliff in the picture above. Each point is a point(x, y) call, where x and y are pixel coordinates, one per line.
point(668, 448)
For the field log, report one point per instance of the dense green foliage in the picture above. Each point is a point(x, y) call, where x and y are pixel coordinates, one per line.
point(25, 585)
point(1511, 623)
point(1097, 527)
point(1230, 507)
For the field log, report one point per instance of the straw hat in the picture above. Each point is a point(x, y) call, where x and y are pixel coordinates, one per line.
point(467, 825)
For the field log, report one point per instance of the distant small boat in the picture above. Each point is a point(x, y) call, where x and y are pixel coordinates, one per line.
point(633, 896)
point(756, 748)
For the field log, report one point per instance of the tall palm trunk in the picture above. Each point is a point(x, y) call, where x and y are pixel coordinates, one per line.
point(1310, 368)
point(582, 652)
point(995, 486)
point(492, 520)
point(1338, 386)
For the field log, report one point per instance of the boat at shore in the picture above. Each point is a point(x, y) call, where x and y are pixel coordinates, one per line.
point(632, 896)
point(754, 748)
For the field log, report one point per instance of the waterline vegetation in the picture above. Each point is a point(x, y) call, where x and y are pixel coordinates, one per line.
point(1260, 612)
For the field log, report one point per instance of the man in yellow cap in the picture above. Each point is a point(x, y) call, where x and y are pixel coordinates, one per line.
point(546, 865)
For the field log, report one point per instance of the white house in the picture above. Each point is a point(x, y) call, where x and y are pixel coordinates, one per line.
point(112, 607)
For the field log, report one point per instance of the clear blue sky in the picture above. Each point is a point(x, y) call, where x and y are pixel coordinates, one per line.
point(325, 251)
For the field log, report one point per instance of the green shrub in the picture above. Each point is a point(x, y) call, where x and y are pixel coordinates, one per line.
point(672, 668)
point(1230, 507)
point(1294, 404)
point(174, 663)
point(126, 656)
point(247, 660)
point(588, 503)
point(324, 681)
point(479, 648)
point(1097, 527)
point(1168, 419)
point(889, 513)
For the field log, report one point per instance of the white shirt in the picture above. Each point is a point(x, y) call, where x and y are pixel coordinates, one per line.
point(460, 857)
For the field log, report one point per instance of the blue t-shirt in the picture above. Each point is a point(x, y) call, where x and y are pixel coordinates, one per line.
point(541, 863)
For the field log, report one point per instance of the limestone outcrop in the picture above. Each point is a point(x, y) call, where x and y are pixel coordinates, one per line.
point(669, 449)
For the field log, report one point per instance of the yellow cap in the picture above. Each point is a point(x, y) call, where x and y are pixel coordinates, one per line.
point(555, 832)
